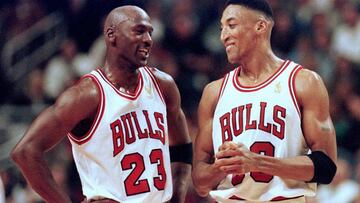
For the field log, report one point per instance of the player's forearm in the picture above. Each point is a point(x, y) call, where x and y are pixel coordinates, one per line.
point(206, 177)
point(33, 167)
point(297, 168)
point(181, 174)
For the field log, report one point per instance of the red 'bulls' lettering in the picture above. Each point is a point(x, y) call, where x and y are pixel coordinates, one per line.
point(127, 129)
point(235, 122)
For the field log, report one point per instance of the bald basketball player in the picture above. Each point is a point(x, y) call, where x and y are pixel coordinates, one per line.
point(121, 120)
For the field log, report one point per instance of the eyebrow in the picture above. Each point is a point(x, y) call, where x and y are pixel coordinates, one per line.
point(228, 20)
point(231, 18)
point(144, 26)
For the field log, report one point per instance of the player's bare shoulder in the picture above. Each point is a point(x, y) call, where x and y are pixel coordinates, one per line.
point(168, 89)
point(213, 88)
point(84, 90)
point(167, 84)
point(161, 76)
point(305, 78)
point(89, 87)
point(308, 84)
point(210, 95)
point(82, 99)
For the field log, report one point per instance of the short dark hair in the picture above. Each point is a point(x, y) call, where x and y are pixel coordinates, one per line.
point(259, 5)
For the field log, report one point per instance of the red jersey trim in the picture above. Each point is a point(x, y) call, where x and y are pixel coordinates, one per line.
point(275, 199)
point(99, 114)
point(156, 83)
point(130, 96)
point(281, 198)
point(292, 88)
point(243, 88)
point(223, 85)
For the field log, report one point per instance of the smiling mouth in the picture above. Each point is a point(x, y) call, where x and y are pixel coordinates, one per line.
point(229, 46)
point(144, 52)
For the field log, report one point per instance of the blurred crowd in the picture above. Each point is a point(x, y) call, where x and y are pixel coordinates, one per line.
point(321, 35)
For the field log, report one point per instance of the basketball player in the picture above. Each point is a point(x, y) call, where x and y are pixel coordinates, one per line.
point(265, 130)
point(120, 120)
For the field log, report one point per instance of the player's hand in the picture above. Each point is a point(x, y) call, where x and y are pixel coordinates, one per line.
point(235, 158)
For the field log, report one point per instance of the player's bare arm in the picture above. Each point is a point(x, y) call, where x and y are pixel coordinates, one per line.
point(179, 139)
point(75, 104)
point(318, 127)
point(318, 131)
point(206, 175)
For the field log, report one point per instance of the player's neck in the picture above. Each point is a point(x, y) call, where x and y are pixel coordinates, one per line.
point(255, 70)
point(124, 79)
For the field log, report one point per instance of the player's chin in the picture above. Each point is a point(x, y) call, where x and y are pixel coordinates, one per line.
point(142, 62)
point(232, 58)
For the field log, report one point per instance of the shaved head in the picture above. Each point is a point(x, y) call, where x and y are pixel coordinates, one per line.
point(124, 13)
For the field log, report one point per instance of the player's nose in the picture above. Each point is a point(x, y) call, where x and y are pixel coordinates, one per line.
point(224, 35)
point(148, 39)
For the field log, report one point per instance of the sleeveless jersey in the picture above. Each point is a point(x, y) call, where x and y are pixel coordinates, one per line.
point(125, 155)
point(266, 119)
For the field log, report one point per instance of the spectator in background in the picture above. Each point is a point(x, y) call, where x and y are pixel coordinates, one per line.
point(343, 109)
point(97, 52)
point(25, 14)
point(64, 69)
point(352, 139)
point(35, 86)
point(155, 10)
point(303, 53)
point(285, 33)
point(304, 12)
point(334, 14)
point(346, 41)
point(181, 35)
point(321, 44)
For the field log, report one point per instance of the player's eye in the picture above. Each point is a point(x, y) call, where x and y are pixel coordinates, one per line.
point(232, 26)
point(139, 31)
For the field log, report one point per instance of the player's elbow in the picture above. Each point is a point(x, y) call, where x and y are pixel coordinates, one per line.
point(17, 154)
point(20, 154)
point(202, 193)
point(201, 189)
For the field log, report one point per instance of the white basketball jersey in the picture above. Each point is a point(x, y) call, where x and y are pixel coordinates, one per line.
point(266, 119)
point(125, 155)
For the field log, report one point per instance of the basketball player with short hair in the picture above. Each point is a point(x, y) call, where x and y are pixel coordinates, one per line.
point(120, 120)
point(265, 133)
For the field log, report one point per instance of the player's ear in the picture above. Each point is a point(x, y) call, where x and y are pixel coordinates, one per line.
point(261, 26)
point(110, 34)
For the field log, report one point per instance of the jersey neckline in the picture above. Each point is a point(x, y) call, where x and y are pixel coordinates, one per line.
point(244, 88)
point(131, 96)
